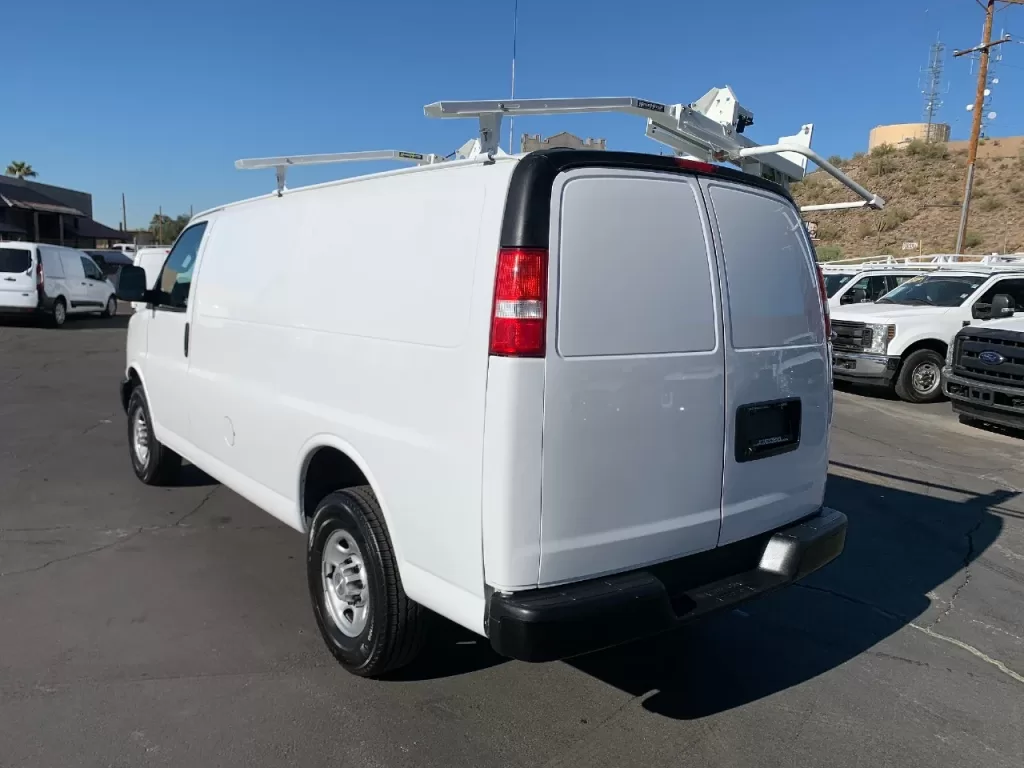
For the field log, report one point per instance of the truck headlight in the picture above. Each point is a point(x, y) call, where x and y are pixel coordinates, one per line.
point(949, 353)
point(881, 335)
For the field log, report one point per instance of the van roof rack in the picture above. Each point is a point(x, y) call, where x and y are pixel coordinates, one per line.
point(282, 164)
point(710, 129)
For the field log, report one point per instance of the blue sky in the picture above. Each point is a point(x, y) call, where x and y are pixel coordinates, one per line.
point(158, 100)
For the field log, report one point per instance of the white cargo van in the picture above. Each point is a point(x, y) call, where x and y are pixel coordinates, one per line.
point(51, 280)
point(565, 399)
point(151, 259)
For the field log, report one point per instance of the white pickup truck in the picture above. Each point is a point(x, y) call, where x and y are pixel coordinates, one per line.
point(984, 373)
point(901, 340)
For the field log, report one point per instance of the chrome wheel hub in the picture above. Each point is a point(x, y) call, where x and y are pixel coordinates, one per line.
point(59, 313)
point(926, 378)
point(345, 585)
point(140, 437)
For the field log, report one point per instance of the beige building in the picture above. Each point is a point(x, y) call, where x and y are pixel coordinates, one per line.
point(903, 133)
point(532, 143)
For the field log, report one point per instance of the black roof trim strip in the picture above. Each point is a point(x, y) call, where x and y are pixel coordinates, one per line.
point(528, 205)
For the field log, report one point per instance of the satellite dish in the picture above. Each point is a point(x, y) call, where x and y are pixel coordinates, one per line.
point(988, 91)
point(991, 115)
point(995, 81)
point(970, 107)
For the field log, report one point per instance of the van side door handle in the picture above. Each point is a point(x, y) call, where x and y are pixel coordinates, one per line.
point(186, 339)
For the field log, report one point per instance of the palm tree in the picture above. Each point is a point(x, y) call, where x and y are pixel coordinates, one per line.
point(20, 170)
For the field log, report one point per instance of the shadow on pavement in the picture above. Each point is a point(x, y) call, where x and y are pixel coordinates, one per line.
point(192, 476)
point(900, 546)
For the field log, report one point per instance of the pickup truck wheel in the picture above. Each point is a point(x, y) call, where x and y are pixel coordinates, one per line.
point(153, 462)
point(363, 614)
point(920, 377)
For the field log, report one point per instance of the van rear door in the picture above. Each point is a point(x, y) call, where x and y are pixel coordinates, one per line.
point(778, 384)
point(634, 392)
point(17, 277)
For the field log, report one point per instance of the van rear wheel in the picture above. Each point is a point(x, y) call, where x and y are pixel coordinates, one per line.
point(920, 377)
point(153, 462)
point(59, 313)
point(363, 614)
point(111, 308)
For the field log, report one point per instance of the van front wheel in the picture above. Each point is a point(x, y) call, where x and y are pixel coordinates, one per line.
point(920, 377)
point(153, 462)
point(363, 614)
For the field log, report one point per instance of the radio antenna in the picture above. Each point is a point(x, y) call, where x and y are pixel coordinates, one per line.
point(515, 31)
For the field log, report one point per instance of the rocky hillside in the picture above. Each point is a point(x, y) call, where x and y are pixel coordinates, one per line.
point(923, 188)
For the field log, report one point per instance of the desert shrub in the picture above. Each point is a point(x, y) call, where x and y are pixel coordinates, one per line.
point(828, 252)
point(859, 155)
point(866, 229)
point(836, 160)
point(828, 232)
point(990, 204)
point(892, 218)
point(1016, 187)
point(910, 189)
point(972, 239)
point(926, 150)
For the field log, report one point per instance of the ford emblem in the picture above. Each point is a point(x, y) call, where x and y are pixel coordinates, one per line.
point(989, 357)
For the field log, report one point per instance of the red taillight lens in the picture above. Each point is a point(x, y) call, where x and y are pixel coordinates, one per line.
point(520, 289)
point(824, 304)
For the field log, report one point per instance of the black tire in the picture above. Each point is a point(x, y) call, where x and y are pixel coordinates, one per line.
point(111, 309)
point(161, 465)
point(395, 626)
point(924, 363)
point(59, 313)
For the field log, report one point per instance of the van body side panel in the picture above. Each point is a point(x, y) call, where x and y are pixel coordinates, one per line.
point(359, 310)
point(775, 351)
point(635, 386)
point(511, 500)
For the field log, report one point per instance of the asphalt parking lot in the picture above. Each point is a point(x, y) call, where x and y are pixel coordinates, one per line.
point(143, 626)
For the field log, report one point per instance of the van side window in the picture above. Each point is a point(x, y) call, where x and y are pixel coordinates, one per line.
point(91, 270)
point(176, 276)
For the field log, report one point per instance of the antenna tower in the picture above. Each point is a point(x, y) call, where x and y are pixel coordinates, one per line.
point(932, 90)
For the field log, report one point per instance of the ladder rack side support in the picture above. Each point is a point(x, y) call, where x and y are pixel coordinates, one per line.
point(872, 200)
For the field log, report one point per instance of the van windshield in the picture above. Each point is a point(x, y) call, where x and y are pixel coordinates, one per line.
point(15, 260)
point(834, 282)
point(934, 290)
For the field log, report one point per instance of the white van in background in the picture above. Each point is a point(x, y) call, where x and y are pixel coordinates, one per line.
point(36, 278)
point(565, 399)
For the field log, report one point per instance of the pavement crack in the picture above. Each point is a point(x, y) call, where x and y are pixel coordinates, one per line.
point(119, 540)
point(196, 508)
point(966, 566)
point(971, 650)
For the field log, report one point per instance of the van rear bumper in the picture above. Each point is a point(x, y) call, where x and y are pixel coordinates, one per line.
point(559, 622)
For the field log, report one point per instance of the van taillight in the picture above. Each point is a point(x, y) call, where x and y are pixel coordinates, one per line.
point(520, 289)
point(39, 274)
point(824, 304)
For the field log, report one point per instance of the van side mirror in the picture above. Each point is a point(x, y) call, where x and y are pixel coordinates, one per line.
point(854, 296)
point(131, 285)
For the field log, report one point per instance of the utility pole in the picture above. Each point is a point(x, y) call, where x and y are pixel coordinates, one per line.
point(124, 214)
point(979, 106)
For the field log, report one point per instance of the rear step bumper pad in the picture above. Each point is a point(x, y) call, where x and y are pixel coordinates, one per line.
point(559, 622)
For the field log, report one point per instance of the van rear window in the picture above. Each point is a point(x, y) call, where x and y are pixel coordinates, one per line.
point(770, 273)
point(15, 260)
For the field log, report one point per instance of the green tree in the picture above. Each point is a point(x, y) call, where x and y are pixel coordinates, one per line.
point(165, 230)
point(20, 170)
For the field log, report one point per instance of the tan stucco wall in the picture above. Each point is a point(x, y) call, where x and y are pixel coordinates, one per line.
point(903, 133)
